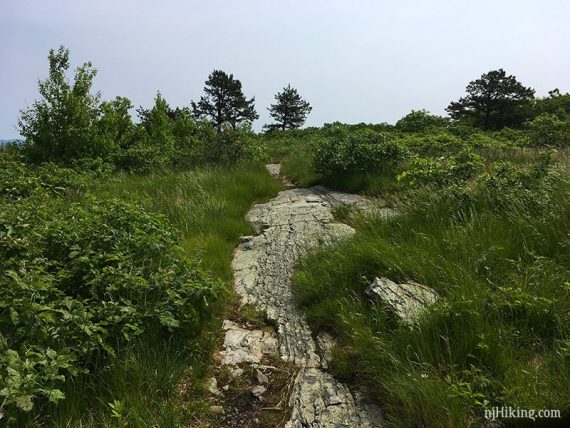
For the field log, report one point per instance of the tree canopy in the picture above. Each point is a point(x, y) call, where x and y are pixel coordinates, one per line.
point(61, 126)
point(290, 111)
point(224, 102)
point(420, 121)
point(493, 101)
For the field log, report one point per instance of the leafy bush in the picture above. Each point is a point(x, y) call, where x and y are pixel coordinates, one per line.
point(420, 121)
point(70, 124)
point(442, 171)
point(550, 130)
point(437, 144)
point(343, 152)
point(19, 180)
point(231, 145)
point(79, 281)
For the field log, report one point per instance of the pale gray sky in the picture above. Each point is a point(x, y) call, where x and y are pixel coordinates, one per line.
point(354, 61)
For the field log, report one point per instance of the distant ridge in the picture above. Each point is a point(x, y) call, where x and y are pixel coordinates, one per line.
point(13, 140)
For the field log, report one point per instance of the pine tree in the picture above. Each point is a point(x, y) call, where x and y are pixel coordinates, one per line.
point(493, 101)
point(290, 111)
point(224, 102)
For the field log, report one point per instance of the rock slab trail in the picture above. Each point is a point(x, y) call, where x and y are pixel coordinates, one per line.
point(288, 225)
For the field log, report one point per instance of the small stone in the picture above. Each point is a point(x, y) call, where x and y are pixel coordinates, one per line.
point(246, 243)
point(334, 400)
point(225, 387)
point(326, 346)
point(261, 377)
point(217, 409)
point(237, 372)
point(258, 390)
point(213, 387)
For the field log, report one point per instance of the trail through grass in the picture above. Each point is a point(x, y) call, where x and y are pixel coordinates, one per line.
point(500, 334)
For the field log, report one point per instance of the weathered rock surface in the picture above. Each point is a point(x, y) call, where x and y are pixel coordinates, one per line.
point(246, 346)
point(288, 225)
point(325, 343)
point(408, 301)
point(275, 170)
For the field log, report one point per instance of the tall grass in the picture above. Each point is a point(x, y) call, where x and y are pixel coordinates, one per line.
point(208, 205)
point(500, 335)
point(157, 381)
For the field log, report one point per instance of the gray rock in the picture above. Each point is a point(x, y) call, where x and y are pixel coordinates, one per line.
point(326, 346)
point(294, 222)
point(334, 400)
point(258, 391)
point(408, 300)
point(213, 387)
point(237, 372)
point(274, 169)
point(261, 377)
point(246, 346)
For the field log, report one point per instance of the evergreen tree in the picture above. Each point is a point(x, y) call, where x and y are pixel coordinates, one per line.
point(493, 101)
point(224, 102)
point(290, 111)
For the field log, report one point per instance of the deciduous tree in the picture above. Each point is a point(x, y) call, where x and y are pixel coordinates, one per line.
point(61, 126)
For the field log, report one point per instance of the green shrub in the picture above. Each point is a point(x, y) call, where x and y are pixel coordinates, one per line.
point(550, 130)
point(348, 152)
point(231, 145)
point(438, 144)
point(19, 180)
point(442, 171)
point(79, 281)
point(420, 121)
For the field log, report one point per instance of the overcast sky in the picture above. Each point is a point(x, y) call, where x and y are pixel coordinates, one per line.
point(354, 61)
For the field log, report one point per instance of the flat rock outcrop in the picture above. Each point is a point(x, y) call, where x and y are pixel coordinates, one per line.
point(290, 224)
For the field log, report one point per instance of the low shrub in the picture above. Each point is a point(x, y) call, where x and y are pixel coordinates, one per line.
point(421, 121)
point(442, 171)
point(79, 281)
point(19, 180)
point(344, 152)
point(438, 144)
point(550, 129)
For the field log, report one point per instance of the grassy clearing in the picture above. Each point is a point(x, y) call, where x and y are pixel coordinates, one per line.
point(500, 335)
point(158, 381)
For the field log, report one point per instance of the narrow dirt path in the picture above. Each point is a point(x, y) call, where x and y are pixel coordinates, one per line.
point(286, 226)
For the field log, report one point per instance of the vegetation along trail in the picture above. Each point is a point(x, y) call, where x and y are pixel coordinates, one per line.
point(298, 219)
